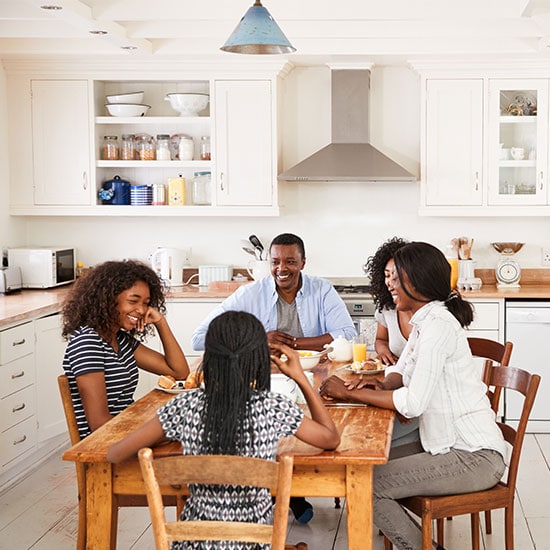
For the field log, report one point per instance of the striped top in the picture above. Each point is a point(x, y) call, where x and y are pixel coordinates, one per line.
point(88, 352)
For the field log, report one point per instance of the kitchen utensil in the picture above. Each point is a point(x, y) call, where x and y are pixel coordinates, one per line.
point(168, 263)
point(115, 191)
point(507, 248)
point(342, 350)
point(309, 358)
point(188, 104)
point(245, 245)
point(128, 98)
point(126, 109)
point(258, 269)
point(257, 245)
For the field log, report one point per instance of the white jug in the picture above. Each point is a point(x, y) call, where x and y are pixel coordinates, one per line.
point(258, 269)
point(168, 263)
point(342, 350)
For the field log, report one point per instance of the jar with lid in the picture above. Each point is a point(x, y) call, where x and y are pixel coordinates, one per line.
point(145, 146)
point(202, 188)
point(163, 147)
point(205, 148)
point(128, 147)
point(109, 148)
point(186, 148)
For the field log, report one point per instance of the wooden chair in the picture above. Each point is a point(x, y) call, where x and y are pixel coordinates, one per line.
point(122, 500)
point(217, 470)
point(499, 496)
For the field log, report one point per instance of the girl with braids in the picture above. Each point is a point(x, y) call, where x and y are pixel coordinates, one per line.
point(235, 413)
point(115, 303)
point(461, 449)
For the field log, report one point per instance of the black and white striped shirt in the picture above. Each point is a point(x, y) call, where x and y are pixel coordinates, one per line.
point(88, 352)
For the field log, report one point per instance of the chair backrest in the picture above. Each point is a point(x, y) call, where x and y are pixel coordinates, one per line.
point(494, 352)
point(70, 417)
point(514, 379)
point(216, 470)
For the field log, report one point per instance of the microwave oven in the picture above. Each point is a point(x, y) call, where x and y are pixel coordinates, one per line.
point(43, 267)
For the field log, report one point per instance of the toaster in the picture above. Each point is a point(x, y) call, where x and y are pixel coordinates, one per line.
point(10, 280)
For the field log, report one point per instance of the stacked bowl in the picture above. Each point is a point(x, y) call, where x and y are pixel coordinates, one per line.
point(129, 104)
point(141, 195)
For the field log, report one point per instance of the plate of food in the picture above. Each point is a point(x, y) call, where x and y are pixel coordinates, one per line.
point(169, 384)
point(370, 366)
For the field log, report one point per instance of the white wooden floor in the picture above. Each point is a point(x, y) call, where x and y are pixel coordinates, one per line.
point(40, 513)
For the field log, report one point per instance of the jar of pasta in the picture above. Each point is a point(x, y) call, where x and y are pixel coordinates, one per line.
point(145, 146)
point(109, 148)
point(128, 147)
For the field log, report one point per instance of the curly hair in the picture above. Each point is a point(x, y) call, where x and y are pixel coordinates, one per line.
point(93, 299)
point(236, 363)
point(375, 270)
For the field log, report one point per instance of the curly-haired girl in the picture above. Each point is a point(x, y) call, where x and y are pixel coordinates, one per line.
point(105, 317)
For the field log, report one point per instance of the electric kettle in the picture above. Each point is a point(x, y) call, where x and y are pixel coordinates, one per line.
point(168, 263)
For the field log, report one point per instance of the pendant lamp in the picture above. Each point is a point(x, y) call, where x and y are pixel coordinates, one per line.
point(257, 34)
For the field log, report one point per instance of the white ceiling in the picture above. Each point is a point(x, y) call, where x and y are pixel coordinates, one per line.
point(321, 31)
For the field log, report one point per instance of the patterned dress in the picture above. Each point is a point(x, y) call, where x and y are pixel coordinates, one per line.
point(272, 416)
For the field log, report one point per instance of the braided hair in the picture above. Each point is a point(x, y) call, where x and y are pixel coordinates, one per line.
point(236, 363)
point(429, 273)
point(376, 266)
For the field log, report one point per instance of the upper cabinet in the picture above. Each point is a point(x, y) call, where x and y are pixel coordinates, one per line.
point(58, 126)
point(484, 144)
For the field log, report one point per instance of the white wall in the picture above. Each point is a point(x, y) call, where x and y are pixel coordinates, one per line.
point(341, 223)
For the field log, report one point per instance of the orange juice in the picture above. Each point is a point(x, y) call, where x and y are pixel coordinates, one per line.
point(359, 352)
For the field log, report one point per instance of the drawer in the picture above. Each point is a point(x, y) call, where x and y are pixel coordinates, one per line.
point(486, 316)
point(16, 407)
point(16, 375)
point(17, 440)
point(16, 342)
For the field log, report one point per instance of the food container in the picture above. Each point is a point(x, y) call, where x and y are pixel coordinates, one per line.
point(159, 194)
point(128, 147)
point(126, 109)
point(141, 195)
point(129, 98)
point(145, 146)
point(176, 191)
point(186, 148)
point(205, 148)
point(109, 148)
point(115, 191)
point(202, 188)
point(163, 147)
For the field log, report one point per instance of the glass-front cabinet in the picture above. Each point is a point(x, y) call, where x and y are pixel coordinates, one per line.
point(518, 142)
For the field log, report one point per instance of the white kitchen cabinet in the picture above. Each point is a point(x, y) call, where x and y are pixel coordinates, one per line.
point(244, 143)
point(518, 143)
point(49, 350)
point(488, 320)
point(60, 142)
point(454, 142)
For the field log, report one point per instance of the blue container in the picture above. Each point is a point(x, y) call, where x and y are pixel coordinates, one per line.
point(115, 191)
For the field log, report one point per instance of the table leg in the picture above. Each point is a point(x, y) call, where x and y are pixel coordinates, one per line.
point(359, 507)
point(100, 509)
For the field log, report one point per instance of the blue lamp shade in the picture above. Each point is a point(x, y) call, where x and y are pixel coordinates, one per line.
point(257, 33)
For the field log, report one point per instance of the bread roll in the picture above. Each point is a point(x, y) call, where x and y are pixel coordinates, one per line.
point(194, 380)
point(166, 381)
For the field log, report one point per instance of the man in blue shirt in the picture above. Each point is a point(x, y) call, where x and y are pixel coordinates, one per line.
point(296, 309)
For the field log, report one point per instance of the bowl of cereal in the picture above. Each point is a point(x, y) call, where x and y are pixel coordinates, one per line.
point(309, 358)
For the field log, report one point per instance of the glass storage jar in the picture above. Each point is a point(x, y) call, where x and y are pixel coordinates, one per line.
point(202, 188)
point(128, 147)
point(186, 148)
point(145, 146)
point(109, 148)
point(205, 148)
point(163, 147)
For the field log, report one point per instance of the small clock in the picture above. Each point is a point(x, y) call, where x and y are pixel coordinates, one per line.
point(508, 273)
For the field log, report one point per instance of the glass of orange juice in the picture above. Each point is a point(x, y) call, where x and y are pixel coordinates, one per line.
point(359, 348)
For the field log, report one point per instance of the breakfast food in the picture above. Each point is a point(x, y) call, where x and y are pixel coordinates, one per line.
point(305, 353)
point(373, 364)
point(166, 381)
point(194, 380)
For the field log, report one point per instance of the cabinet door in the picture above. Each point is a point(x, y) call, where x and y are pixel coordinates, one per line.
point(49, 351)
point(244, 143)
point(61, 142)
point(518, 141)
point(454, 142)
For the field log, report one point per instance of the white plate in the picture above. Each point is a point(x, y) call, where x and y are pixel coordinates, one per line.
point(373, 371)
point(178, 389)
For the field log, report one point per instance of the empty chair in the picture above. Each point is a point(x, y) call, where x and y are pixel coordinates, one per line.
point(217, 470)
point(501, 495)
point(74, 436)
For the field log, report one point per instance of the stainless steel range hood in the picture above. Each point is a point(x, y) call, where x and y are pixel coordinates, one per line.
point(350, 156)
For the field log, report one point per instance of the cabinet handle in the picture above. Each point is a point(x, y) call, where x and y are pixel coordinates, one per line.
point(85, 180)
point(19, 342)
point(541, 180)
point(20, 375)
point(221, 181)
point(17, 441)
point(18, 408)
point(477, 181)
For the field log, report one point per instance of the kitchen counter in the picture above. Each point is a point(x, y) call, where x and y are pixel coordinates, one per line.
point(523, 293)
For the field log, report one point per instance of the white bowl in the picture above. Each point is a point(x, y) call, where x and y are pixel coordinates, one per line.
point(126, 109)
point(309, 358)
point(132, 97)
point(188, 104)
point(281, 383)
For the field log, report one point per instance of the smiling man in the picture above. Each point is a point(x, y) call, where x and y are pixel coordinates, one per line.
point(296, 309)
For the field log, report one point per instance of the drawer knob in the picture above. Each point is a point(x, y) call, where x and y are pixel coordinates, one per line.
point(19, 342)
point(21, 440)
point(18, 407)
point(21, 374)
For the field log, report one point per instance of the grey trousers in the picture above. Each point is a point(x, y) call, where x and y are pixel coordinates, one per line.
point(420, 473)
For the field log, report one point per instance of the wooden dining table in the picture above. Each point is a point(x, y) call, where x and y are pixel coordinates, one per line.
point(345, 472)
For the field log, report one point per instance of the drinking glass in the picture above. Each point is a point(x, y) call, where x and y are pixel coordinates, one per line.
point(359, 348)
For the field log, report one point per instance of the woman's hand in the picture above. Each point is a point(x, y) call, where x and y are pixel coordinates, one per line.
point(292, 366)
point(386, 356)
point(152, 316)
